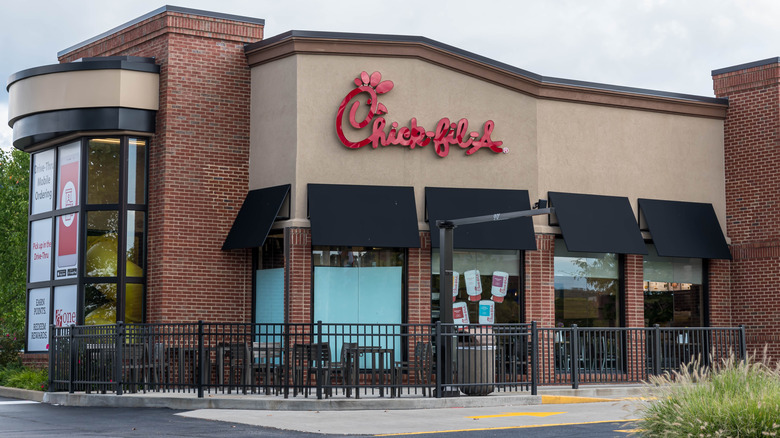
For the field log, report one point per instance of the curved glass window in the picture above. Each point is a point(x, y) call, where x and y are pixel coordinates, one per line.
point(99, 244)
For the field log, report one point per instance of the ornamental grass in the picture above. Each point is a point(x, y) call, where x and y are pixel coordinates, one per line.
point(731, 399)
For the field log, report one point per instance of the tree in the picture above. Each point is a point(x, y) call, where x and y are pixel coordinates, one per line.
point(14, 187)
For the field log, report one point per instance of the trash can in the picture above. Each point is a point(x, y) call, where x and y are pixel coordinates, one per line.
point(476, 362)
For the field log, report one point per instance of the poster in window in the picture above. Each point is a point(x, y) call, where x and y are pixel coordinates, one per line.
point(67, 225)
point(43, 182)
point(40, 250)
point(38, 320)
point(67, 246)
point(65, 305)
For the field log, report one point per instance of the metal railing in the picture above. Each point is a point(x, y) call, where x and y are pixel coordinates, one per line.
point(394, 360)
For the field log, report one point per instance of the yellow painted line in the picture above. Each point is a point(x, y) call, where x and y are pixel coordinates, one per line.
point(518, 414)
point(530, 426)
point(565, 399)
point(630, 430)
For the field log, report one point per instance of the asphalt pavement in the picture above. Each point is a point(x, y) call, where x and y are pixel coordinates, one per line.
point(588, 412)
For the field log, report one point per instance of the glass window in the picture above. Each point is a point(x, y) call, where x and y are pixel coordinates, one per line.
point(136, 171)
point(134, 303)
point(134, 255)
point(69, 224)
point(40, 250)
point(269, 286)
point(586, 288)
point(42, 197)
point(67, 246)
point(358, 285)
point(100, 303)
point(102, 243)
point(673, 290)
point(499, 267)
point(103, 171)
point(38, 319)
point(68, 176)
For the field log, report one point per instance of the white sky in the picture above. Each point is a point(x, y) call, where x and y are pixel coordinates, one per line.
point(656, 44)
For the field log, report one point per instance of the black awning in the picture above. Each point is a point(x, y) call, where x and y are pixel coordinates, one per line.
point(685, 229)
point(596, 223)
point(457, 203)
point(257, 215)
point(352, 215)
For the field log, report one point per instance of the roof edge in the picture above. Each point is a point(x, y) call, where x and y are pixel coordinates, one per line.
point(733, 68)
point(166, 8)
point(543, 80)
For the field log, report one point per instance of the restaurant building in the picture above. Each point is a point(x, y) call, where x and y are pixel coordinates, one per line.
point(186, 168)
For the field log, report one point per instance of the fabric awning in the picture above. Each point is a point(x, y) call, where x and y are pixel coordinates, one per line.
point(458, 203)
point(685, 229)
point(597, 223)
point(355, 215)
point(257, 215)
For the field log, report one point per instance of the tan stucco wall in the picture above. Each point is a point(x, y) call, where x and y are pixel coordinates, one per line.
point(84, 89)
point(274, 130)
point(624, 152)
point(553, 145)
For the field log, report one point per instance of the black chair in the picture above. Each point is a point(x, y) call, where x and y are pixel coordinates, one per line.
point(418, 370)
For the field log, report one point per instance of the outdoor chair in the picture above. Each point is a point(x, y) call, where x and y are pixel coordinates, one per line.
point(418, 370)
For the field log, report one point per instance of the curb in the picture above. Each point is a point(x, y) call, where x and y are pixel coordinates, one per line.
point(22, 394)
point(277, 404)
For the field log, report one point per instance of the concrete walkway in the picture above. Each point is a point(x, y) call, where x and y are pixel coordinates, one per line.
point(189, 400)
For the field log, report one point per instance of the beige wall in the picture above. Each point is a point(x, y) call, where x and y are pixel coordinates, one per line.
point(274, 130)
point(84, 89)
point(625, 152)
point(553, 145)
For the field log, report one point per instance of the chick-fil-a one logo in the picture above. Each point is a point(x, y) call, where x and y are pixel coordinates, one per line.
point(446, 134)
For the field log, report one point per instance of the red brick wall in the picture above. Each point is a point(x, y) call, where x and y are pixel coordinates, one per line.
point(298, 278)
point(419, 283)
point(635, 295)
point(198, 169)
point(752, 159)
point(539, 282)
point(720, 293)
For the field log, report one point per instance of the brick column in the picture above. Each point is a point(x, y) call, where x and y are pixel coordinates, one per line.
point(752, 157)
point(419, 281)
point(298, 276)
point(539, 282)
point(540, 300)
point(635, 316)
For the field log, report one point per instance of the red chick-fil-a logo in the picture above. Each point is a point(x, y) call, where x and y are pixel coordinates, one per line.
point(445, 135)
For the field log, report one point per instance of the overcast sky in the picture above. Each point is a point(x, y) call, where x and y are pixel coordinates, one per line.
point(656, 44)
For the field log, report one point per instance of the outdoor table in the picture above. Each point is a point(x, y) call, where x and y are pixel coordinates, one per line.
point(375, 367)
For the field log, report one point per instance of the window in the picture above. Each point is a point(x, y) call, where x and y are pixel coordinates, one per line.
point(87, 258)
point(499, 266)
point(358, 285)
point(673, 290)
point(586, 288)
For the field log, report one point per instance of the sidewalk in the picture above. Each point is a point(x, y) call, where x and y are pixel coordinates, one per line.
point(190, 401)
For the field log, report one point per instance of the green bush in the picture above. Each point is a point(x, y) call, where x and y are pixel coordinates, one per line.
point(10, 346)
point(16, 376)
point(734, 399)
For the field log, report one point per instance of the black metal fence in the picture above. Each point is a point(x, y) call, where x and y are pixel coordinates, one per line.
point(354, 360)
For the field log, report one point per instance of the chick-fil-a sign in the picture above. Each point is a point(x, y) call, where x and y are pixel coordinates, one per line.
point(445, 134)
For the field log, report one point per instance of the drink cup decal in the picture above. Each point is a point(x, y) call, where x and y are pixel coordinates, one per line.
point(473, 285)
point(455, 284)
point(487, 312)
point(500, 283)
point(460, 313)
